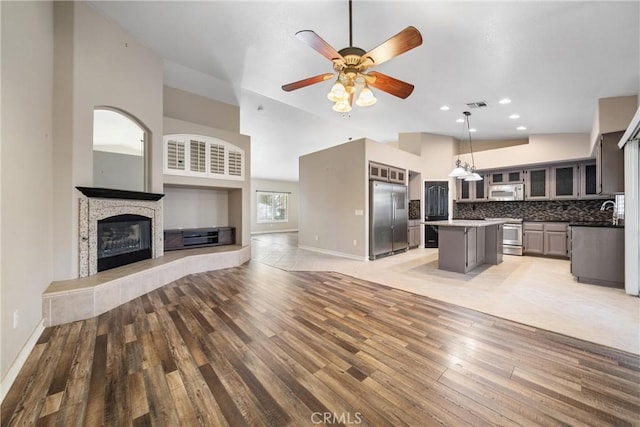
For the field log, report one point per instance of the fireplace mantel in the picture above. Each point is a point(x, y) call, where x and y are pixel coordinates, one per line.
point(111, 193)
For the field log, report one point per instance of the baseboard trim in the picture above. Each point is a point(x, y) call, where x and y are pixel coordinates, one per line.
point(291, 230)
point(328, 252)
point(19, 362)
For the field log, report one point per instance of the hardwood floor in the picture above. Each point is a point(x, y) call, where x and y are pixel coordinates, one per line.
point(255, 345)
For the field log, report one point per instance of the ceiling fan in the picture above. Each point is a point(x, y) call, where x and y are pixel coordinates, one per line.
point(351, 63)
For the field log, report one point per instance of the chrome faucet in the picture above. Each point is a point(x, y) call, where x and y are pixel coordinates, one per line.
point(606, 206)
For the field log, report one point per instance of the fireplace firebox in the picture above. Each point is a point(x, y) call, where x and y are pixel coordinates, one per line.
point(122, 240)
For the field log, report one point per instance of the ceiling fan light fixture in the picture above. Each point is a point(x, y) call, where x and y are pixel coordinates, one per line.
point(338, 93)
point(352, 64)
point(342, 106)
point(366, 98)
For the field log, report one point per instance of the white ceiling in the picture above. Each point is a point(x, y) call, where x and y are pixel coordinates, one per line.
point(552, 59)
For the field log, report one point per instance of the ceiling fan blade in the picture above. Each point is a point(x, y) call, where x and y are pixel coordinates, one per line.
point(389, 84)
point(307, 82)
point(317, 43)
point(405, 40)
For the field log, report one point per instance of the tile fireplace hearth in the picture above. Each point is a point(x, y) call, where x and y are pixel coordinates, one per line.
point(94, 293)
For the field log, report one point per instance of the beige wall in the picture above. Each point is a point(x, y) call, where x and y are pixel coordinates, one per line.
point(96, 64)
point(190, 107)
point(334, 194)
point(194, 207)
point(437, 153)
point(239, 202)
point(27, 149)
point(332, 188)
point(290, 187)
point(434, 151)
point(545, 148)
point(612, 115)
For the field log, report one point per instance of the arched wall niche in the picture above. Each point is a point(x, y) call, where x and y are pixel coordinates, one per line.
point(120, 150)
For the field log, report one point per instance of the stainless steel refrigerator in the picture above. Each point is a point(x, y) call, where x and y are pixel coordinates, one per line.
point(388, 219)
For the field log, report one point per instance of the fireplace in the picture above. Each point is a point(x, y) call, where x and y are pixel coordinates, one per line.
point(117, 227)
point(122, 240)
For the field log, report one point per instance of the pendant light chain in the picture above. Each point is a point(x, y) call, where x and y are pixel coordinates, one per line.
point(473, 162)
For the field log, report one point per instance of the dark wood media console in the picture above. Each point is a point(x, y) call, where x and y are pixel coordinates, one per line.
point(185, 238)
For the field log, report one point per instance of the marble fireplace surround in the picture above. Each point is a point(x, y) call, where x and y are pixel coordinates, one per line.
point(100, 203)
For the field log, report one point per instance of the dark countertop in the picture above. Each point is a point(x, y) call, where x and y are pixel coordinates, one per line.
point(595, 224)
point(571, 223)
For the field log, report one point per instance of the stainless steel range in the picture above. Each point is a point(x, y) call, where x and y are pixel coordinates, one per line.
point(512, 236)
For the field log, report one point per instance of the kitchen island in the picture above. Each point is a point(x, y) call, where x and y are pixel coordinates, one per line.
point(466, 244)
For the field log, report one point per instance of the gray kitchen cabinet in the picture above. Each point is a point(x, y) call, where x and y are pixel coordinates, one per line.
point(564, 181)
point(597, 255)
point(414, 233)
point(537, 184)
point(506, 177)
point(555, 239)
point(589, 180)
point(472, 191)
point(533, 238)
point(545, 238)
point(378, 172)
point(610, 164)
point(493, 246)
point(464, 245)
point(472, 247)
point(464, 190)
point(480, 190)
point(465, 248)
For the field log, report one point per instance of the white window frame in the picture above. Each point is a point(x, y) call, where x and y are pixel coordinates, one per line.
point(271, 220)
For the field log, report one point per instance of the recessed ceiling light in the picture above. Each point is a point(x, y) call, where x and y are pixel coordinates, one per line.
point(521, 128)
point(514, 116)
point(504, 101)
point(445, 108)
point(460, 121)
point(472, 130)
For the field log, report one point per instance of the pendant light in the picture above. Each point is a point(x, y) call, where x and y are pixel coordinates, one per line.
point(473, 175)
point(466, 171)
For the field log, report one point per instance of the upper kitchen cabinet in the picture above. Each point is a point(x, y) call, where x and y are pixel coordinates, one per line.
point(609, 164)
point(380, 172)
point(480, 189)
point(537, 183)
point(588, 180)
point(613, 115)
point(472, 191)
point(506, 177)
point(564, 182)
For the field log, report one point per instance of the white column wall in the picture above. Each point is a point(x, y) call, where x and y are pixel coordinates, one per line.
point(632, 217)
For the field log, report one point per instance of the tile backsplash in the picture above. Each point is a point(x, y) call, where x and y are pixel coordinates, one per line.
point(414, 209)
point(552, 210)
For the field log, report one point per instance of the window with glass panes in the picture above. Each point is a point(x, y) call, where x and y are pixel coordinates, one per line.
point(272, 206)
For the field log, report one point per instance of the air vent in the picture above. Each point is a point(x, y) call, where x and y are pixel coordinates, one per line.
point(479, 104)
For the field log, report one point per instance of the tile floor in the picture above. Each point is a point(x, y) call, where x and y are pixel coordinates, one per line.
point(536, 291)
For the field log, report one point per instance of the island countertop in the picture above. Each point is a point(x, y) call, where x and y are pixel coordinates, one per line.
point(466, 222)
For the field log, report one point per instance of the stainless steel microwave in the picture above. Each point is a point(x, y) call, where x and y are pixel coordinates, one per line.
point(506, 192)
